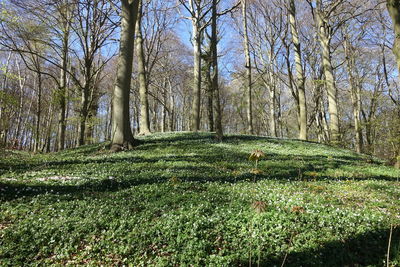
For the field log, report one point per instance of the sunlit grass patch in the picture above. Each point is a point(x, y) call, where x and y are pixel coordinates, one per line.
point(187, 199)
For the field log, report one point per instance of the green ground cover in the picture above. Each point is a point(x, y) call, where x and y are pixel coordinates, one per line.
point(184, 199)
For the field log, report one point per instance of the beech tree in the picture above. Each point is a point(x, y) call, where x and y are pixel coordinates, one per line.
point(121, 133)
point(300, 77)
point(394, 11)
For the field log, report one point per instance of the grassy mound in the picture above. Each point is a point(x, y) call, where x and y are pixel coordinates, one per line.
point(185, 199)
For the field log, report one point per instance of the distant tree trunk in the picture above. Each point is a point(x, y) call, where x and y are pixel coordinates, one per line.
point(63, 79)
point(355, 95)
point(84, 110)
point(271, 84)
point(272, 114)
point(214, 77)
point(154, 116)
point(164, 107)
point(324, 33)
point(394, 11)
point(3, 128)
point(302, 111)
point(210, 93)
point(91, 119)
point(21, 83)
point(248, 69)
point(144, 122)
point(49, 122)
point(171, 107)
point(195, 114)
point(122, 136)
point(38, 110)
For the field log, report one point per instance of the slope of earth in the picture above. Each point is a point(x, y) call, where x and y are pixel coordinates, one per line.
point(186, 199)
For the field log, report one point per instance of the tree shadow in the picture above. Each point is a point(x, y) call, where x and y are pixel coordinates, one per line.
point(367, 249)
point(212, 163)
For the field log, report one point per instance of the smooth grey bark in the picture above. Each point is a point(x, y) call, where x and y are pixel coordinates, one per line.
point(355, 92)
point(300, 77)
point(325, 36)
point(144, 121)
point(21, 83)
point(62, 100)
point(38, 111)
point(248, 68)
point(122, 136)
point(171, 107)
point(393, 7)
point(196, 39)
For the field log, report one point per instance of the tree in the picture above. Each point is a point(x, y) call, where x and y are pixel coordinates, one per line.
point(121, 133)
point(325, 33)
point(248, 68)
point(214, 66)
point(198, 11)
point(144, 122)
point(300, 78)
point(393, 7)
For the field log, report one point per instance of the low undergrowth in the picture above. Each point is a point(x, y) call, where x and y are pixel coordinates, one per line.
point(186, 199)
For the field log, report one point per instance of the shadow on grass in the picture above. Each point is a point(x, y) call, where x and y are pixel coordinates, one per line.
point(207, 164)
point(367, 249)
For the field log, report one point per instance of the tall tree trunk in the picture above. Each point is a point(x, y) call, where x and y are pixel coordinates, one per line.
point(301, 95)
point(394, 11)
point(21, 83)
point(63, 81)
point(214, 77)
point(171, 107)
point(164, 107)
point(38, 111)
point(272, 114)
point(248, 69)
point(355, 95)
point(122, 136)
point(3, 127)
point(144, 122)
point(324, 33)
point(210, 94)
point(195, 116)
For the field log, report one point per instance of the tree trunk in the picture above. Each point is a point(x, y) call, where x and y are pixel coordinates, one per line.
point(195, 116)
point(38, 111)
point(3, 128)
point(248, 69)
point(144, 122)
point(171, 107)
point(84, 112)
point(325, 39)
point(21, 83)
point(394, 11)
point(302, 105)
point(122, 136)
point(355, 95)
point(210, 95)
point(214, 77)
point(63, 81)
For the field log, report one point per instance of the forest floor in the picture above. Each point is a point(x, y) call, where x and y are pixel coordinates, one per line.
point(183, 199)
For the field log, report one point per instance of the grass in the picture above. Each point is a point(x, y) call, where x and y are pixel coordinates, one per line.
point(186, 199)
